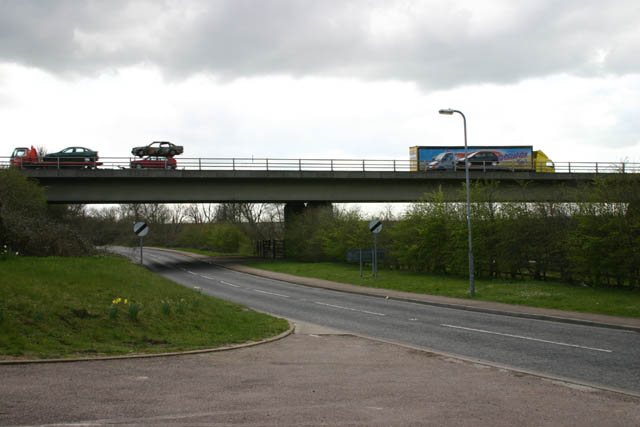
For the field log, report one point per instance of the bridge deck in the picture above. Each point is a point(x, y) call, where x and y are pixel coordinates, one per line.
point(180, 186)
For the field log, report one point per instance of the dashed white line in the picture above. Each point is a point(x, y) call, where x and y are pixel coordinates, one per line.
point(528, 338)
point(272, 293)
point(229, 284)
point(350, 309)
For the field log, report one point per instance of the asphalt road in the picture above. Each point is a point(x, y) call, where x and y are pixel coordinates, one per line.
point(588, 355)
point(310, 378)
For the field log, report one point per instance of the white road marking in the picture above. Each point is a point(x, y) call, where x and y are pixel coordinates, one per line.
point(528, 338)
point(271, 293)
point(207, 277)
point(229, 284)
point(350, 309)
point(191, 272)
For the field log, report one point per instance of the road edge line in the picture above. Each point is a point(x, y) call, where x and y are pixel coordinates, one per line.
point(450, 305)
point(511, 368)
point(482, 362)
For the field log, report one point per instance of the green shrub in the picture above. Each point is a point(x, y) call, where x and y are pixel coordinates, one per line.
point(166, 308)
point(225, 238)
point(27, 226)
point(133, 310)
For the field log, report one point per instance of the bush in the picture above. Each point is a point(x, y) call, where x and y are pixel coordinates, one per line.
point(193, 236)
point(306, 234)
point(596, 241)
point(347, 231)
point(425, 239)
point(25, 223)
point(324, 233)
point(225, 238)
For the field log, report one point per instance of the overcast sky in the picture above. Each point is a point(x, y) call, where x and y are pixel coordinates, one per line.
point(330, 79)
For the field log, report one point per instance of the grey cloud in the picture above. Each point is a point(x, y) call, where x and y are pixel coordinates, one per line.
point(438, 45)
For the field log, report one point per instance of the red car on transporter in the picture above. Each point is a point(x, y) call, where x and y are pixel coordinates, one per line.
point(154, 162)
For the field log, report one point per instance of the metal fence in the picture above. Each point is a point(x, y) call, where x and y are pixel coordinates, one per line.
point(365, 255)
point(273, 249)
point(350, 165)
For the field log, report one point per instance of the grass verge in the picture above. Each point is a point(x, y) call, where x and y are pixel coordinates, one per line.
point(105, 305)
point(556, 295)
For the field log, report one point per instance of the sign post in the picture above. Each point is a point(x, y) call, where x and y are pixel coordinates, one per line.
point(141, 229)
point(375, 226)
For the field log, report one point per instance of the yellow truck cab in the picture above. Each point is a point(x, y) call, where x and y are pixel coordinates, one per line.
point(542, 163)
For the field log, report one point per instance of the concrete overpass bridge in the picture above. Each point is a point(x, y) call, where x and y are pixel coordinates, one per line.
point(286, 186)
point(304, 180)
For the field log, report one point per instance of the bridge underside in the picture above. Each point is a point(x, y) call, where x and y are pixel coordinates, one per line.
point(182, 186)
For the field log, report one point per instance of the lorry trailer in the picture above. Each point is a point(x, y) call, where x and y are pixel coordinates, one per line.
point(514, 158)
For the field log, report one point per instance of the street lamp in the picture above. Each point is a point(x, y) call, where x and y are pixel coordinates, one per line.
point(449, 111)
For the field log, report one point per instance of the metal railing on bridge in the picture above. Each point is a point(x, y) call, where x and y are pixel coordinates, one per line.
point(349, 165)
point(275, 164)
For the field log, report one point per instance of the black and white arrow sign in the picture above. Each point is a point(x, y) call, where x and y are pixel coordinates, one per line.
point(141, 228)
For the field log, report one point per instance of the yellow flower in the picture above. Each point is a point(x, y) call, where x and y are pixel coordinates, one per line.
point(126, 301)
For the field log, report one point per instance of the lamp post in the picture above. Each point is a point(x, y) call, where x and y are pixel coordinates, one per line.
point(449, 111)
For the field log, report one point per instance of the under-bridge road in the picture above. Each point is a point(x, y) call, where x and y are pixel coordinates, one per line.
point(587, 355)
point(296, 180)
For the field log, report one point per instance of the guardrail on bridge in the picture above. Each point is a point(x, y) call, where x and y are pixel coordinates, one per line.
point(340, 165)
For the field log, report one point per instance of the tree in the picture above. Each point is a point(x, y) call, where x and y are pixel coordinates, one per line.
point(485, 227)
point(606, 241)
point(425, 239)
point(27, 227)
point(200, 213)
point(347, 231)
point(21, 202)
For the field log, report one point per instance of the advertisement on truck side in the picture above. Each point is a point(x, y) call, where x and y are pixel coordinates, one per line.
point(443, 158)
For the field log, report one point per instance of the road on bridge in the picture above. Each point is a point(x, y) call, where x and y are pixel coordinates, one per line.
point(584, 354)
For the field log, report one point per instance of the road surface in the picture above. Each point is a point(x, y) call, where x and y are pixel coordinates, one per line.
point(585, 354)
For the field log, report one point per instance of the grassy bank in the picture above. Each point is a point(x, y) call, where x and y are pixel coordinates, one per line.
point(615, 302)
point(64, 307)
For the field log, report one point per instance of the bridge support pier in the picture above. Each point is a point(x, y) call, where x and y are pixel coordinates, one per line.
point(320, 207)
point(293, 210)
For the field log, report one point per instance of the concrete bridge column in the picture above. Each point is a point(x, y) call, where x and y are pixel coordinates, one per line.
point(320, 207)
point(291, 210)
point(295, 209)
